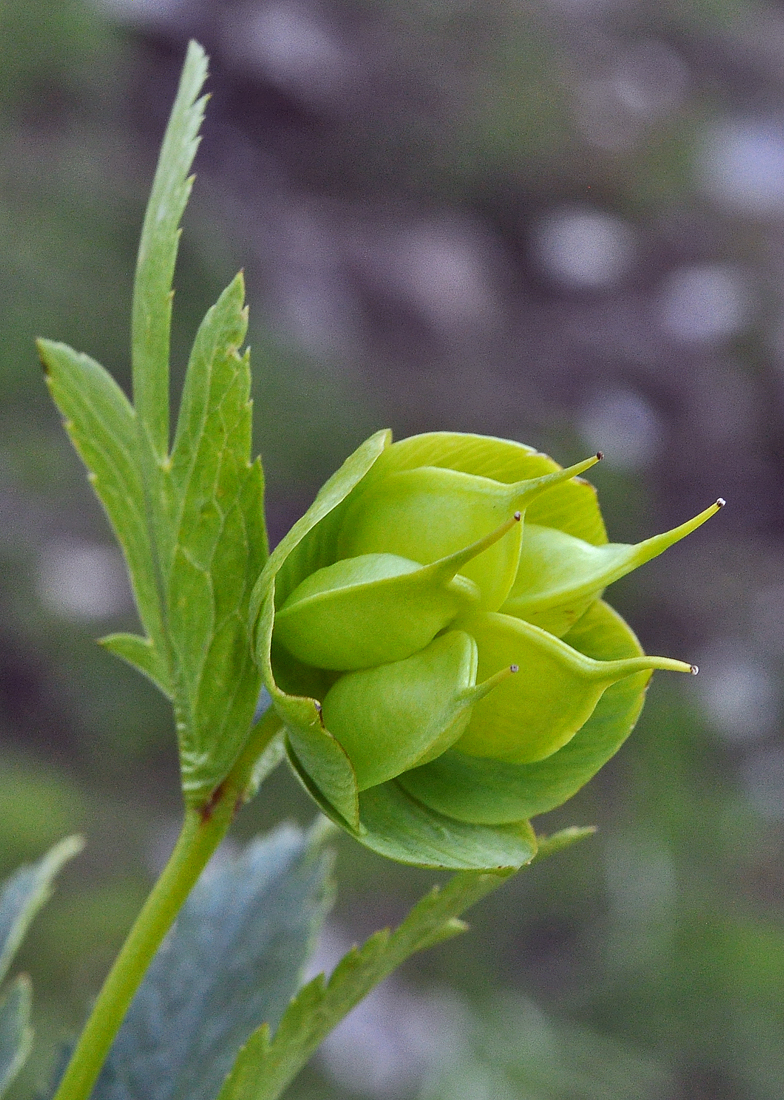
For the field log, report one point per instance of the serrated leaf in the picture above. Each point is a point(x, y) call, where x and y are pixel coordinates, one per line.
point(232, 961)
point(151, 323)
point(216, 548)
point(102, 426)
point(266, 1066)
point(16, 1035)
point(25, 892)
point(191, 523)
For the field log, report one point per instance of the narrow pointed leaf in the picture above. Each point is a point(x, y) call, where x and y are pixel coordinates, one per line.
point(267, 1065)
point(214, 548)
point(25, 892)
point(151, 323)
point(16, 1035)
point(140, 653)
point(102, 426)
point(232, 962)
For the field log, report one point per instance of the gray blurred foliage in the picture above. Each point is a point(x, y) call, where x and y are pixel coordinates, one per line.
point(233, 961)
point(556, 220)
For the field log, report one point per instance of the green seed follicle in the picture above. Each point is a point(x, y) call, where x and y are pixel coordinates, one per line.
point(479, 691)
point(446, 568)
point(526, 491)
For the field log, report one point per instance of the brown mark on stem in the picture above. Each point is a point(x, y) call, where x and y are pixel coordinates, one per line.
point(208, 809)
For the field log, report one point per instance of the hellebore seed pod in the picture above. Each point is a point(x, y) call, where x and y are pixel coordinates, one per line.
point(430, 512)
point(390, 619)
point(536, 713)
point(559, 576)
point(377, 608)
point(416, 708)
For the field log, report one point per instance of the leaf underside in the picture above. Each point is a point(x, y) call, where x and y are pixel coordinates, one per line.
point(16, 1035)
point(27, 891)
point(265, 1066)
point(232, 962)
point(21, 897)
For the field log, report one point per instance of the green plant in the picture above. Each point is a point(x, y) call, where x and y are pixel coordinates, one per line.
point(436, 659)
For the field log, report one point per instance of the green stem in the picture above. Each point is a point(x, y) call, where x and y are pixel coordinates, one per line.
point(202, 831)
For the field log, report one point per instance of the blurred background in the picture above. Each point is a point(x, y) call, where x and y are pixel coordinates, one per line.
point(560, 221)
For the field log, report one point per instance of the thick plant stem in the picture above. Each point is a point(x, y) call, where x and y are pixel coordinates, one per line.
point(203, 829)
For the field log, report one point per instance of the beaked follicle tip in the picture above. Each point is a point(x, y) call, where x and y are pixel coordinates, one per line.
point(694, 669)
point(720, 502)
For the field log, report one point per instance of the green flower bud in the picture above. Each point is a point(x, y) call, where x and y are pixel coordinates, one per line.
point(377, 608)
point(380, 640)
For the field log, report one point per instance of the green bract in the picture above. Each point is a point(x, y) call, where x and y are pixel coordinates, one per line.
point(433, 638)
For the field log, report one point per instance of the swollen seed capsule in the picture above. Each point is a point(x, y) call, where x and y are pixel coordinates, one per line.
point(376, 608)
point(559, 576)
point(539, 710)
point(396, 716)
point(430, 512)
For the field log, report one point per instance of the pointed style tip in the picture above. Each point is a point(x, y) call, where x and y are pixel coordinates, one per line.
point(694, 669)
point(599, 456)
point(514, 668)
point(518, 516)
point(720, 502)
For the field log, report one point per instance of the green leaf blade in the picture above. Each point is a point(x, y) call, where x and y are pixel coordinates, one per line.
point(25, 892)
point(141, 654)
point(151, 320)
point(217, 548)
point(16, 1034)
point(265, 1067)
point(102, 426)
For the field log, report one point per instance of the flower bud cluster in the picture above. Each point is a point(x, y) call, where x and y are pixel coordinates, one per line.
point(434, 639)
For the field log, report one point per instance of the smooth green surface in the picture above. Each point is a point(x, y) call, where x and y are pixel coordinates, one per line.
point(393, 717)
point(571, 506)
point(266, 1066)
point(429, 512)
point(348, 615)
point(533, 714)
point(487, 791)
point(402, 828)
point(296, 556)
